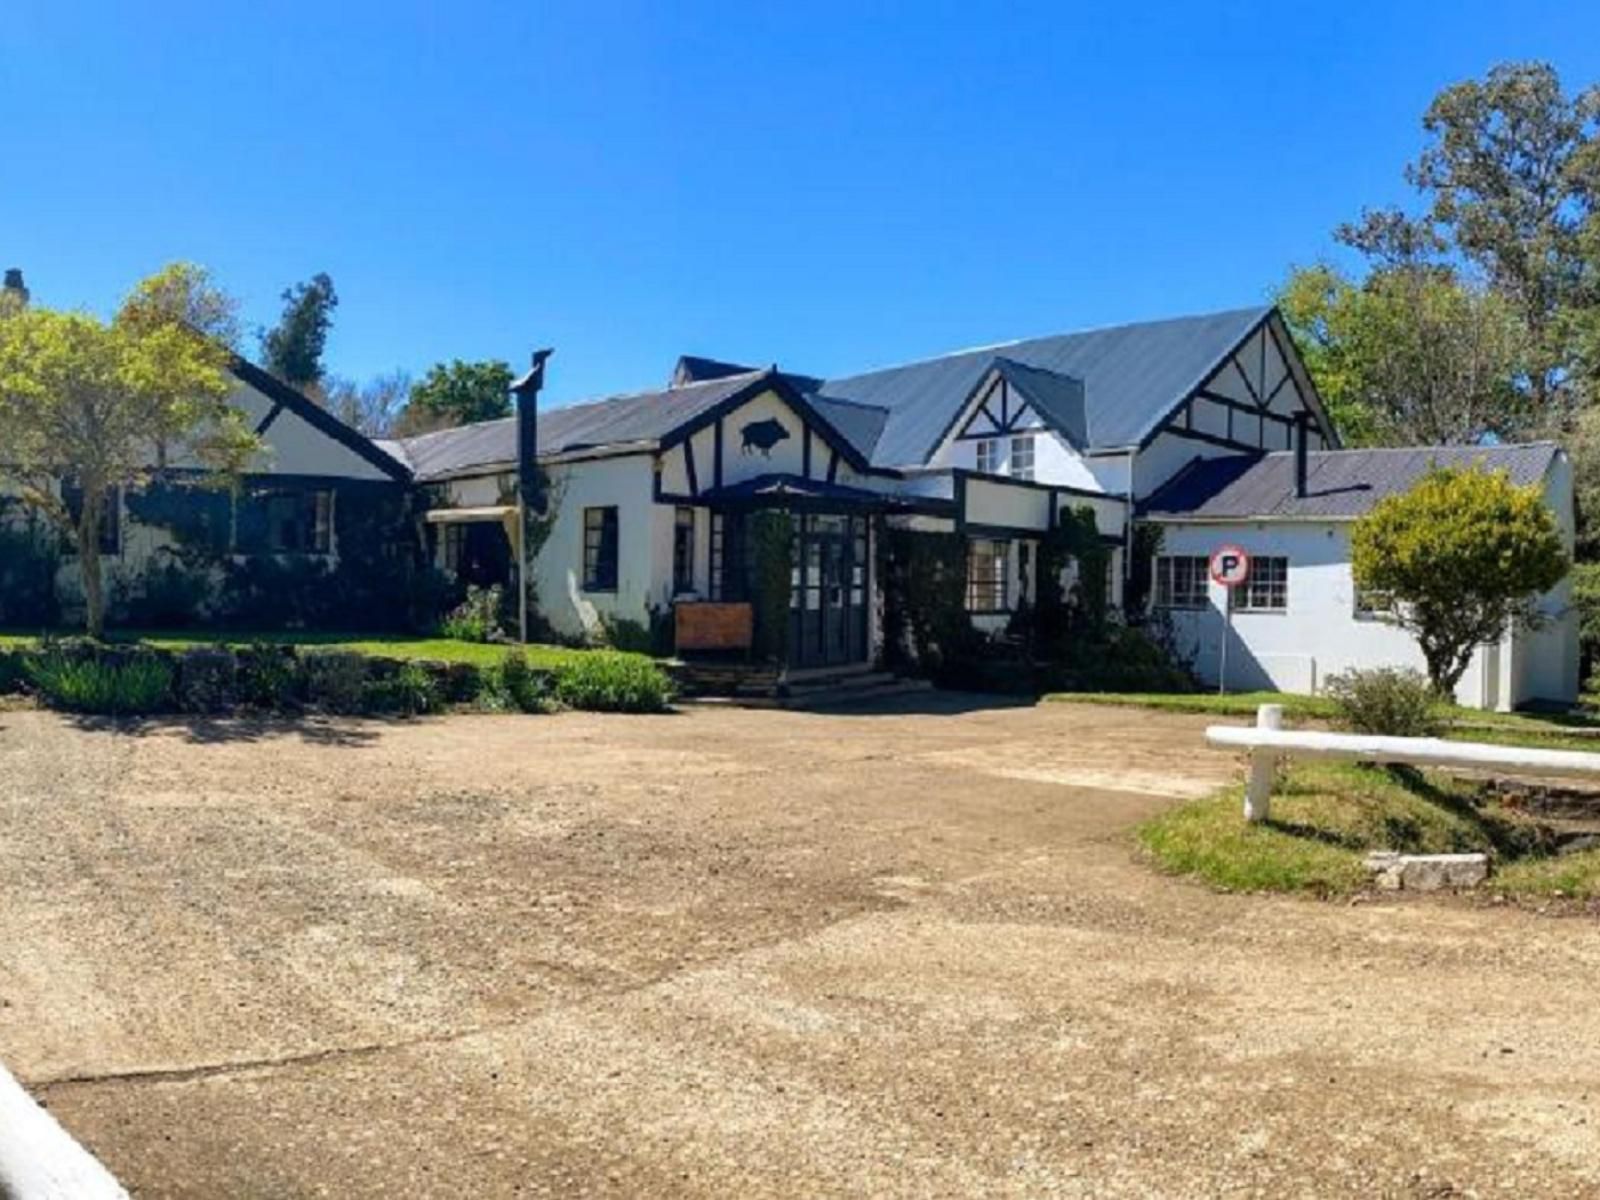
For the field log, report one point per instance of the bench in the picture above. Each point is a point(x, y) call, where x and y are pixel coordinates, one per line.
point(1268, 742)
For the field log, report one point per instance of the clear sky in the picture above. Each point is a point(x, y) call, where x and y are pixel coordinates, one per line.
point(828, 187)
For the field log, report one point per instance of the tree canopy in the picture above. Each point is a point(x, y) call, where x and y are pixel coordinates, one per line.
point(459, 393)
point(292, 349)
point(89, 406)
point(1478, 314)
point(1462, 557)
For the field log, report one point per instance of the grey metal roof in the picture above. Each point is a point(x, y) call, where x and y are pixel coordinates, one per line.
point(1057, 397)
point(642, 417)
point(1339, 483)
point(1132, 375)
point(859, 424)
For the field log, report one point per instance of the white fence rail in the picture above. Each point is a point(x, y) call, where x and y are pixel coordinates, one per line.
point(39, 1160)
point(1268, 742)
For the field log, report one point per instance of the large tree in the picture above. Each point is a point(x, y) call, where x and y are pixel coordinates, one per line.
point(1462, 557)
point(292, 349)
point(88, 407)
point(458, 393)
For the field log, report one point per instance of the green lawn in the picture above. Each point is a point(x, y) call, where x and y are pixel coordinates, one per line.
point(1577, 730)
point(1326, 817)
point(377, 645)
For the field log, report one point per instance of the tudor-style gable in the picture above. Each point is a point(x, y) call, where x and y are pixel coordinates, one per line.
point(302, 439)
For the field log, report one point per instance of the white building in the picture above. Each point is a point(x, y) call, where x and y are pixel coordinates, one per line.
point(1186, 424)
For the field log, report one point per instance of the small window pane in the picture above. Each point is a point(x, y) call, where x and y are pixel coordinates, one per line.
point(1022, 456)
point(986, 575)
point(683, 550)
point(1267, 588)
point(600, 549)
point(989, 456)
point(1182, 581)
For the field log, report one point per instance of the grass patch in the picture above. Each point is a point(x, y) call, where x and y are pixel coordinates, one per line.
point(1576, 730)
point(1326, 817)
point(1567, 876)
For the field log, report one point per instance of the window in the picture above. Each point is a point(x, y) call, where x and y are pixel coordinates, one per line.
point(455, 546)
point(600, 549)
point(1182, 580)
point(1022, 456)
point(294, 523)
point(683, 550)
point(986, 575)
point(1267, 589)
point(989, 456)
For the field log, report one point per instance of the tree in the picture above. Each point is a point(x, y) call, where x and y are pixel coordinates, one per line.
point(1412, 354)
point(373, 407)
point(88, 407)
point(1513, 177)
point(459, 393)
point(292, 350)
point(1462, 556)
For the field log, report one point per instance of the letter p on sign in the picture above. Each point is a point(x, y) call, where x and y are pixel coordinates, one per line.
point(1230, 565)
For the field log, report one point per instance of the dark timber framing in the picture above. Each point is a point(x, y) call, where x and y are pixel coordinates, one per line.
point(320, 419)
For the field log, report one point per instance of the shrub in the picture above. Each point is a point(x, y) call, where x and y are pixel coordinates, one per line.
point(1586, 599)
point(109, 685)
point(12, 674)
point(1395, 701)
point(335, 680)
point(475, 619)
point(512, 683)
point(28, 561)
point(409, 692)
point(207, 680)
point(167, 595)
point(607, 681)
point(268, 676)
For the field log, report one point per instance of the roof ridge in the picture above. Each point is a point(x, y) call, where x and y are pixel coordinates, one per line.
point(1534, 444)
point(1261, 309)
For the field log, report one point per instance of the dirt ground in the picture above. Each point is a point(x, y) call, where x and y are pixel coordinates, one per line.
point(730, 953)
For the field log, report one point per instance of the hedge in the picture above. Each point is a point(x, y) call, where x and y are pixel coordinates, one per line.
point(79, 675)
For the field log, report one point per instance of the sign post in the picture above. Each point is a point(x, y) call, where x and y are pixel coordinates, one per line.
point(1230, 566)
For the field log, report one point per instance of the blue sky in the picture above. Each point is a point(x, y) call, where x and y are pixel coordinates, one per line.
point(828, 187)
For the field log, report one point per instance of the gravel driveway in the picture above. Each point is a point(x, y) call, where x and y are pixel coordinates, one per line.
point(729, 953)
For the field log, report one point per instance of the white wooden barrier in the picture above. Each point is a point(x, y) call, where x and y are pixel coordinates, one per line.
point(1268, 742)
point(39, 1160)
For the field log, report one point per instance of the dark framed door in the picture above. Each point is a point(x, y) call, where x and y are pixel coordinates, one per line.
point(828, 591)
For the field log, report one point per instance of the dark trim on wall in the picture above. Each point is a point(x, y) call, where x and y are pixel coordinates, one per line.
point(688, 467)
point(769, 381)
point(833, 466)
point(319, 419)
point(805, 452)
point(961, 474)
point(1211, 439)
point(266, 422)
point(716, 453)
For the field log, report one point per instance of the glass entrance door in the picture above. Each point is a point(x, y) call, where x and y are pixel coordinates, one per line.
point(828, 599)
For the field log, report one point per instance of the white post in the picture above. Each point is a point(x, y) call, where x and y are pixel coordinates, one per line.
point(1263, 765)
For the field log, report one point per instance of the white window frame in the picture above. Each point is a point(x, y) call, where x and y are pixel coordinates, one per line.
point(1182, 588)
point(992, 594)
point(1266, 589)
point(986, 452)
point(1022, 456)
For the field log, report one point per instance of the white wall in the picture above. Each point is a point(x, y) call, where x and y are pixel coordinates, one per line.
point(1319, 634)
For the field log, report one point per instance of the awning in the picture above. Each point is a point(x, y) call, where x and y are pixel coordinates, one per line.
point(460, 516)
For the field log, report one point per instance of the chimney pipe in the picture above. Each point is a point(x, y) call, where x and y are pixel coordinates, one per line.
point(530, 492)
point(1302, 424)
point(13, 284)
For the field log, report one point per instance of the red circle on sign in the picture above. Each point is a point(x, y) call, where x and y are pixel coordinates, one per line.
point(1230, 565)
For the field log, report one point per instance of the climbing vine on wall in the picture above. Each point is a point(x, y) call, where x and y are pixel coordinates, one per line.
point(771, 534)
point(1078, 607)
point(925, 622)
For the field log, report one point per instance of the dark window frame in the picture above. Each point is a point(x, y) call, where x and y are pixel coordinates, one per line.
point(683, 548)
point(601, 548)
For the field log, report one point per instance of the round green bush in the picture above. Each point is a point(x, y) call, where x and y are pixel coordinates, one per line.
point(605, 681)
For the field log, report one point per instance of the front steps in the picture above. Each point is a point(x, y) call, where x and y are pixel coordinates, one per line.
point(771, 687)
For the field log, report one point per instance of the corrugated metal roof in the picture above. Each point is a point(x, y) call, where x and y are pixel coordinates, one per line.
point(1132, 376)
point(642, 417)
point(1339, 483)
point(859, 424)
